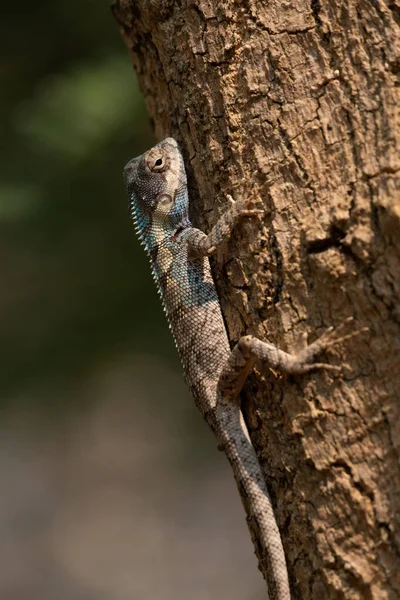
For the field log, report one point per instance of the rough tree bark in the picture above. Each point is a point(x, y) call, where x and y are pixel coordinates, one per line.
point(296, 105)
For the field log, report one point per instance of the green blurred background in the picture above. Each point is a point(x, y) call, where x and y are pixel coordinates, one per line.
point(111, 485)
point(72, 117)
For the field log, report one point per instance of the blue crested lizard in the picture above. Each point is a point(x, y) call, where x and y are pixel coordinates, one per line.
point(157, 186)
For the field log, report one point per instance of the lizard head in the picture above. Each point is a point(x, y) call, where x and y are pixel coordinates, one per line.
point(156, 184)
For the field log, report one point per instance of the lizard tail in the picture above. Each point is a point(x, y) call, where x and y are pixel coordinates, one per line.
point(234, 437)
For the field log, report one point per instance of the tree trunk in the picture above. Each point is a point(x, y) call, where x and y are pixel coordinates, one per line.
point(296, 105)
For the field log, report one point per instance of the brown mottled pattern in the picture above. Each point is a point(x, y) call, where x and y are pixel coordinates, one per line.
point(178, 253)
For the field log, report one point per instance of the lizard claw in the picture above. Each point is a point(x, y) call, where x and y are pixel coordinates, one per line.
point(325, 366)
point(331, 337)
point(242, 209)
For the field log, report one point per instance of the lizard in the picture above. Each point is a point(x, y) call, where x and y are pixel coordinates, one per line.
point(179, 253)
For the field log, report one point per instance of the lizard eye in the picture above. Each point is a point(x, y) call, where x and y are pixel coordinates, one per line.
point(157, 164)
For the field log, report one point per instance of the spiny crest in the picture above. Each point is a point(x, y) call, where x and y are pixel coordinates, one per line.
point(140, 222)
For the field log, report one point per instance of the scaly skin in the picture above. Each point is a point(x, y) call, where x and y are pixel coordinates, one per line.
point(156, 183)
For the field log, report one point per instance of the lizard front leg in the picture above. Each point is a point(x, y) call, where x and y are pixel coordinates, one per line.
point(202, 244)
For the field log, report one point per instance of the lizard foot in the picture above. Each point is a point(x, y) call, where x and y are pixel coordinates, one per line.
point(303, 362)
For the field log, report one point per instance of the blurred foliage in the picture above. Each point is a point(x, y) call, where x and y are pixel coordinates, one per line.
point(75, 285)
